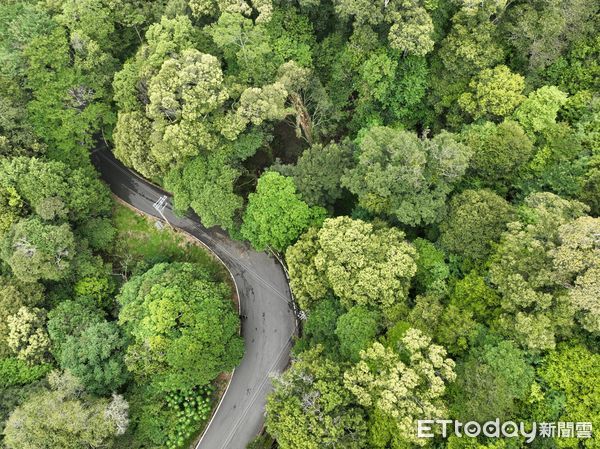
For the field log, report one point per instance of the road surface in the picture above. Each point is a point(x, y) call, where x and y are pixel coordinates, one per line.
point(264, 298)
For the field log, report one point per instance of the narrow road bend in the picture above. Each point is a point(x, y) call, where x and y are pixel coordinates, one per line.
point(265, 300)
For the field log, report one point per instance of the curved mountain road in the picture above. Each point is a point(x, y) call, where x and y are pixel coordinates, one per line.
point(265, 300)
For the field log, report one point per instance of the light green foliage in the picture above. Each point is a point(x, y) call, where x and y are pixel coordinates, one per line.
point(245, 46)
point(536, 309)
point(572, 372)
point(577, 263)
point(500, 153)
point(405, 177)
point(276, 215)
point(15, 294)
point(318, 173)
point(401, 389)
point(258, 104)
point(262, 8)
point(469, 47)
point(432, 270)
point(474, 223)
point(356, 330)
point(495, 93)
point(27, 336)
point(538, 111)
point(131, 137)
point(310, 407)
point(15, 371)
point(183, 325)
point(167, 37)
point(490, 382)
point(306, 281)
point(186, 89)
point(361, 265)
point(65, 417)
point(96, 357)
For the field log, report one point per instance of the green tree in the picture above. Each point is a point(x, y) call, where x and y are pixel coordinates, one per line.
point(570, 372)
point(360, 264)
point(399, 389)
point(356, 330)
point(495, 93)
point(36, 250)
point(432, 270)
point(69, 75)
point(410, 25)
point(69, 319)
point(184, 328)
point(470, 46)
point(310, 408)
point(27, 336)
point(319, 328)
point(500, 152)
point(475, 221)
point(318, 173)
point(539, 110)
point(65, 417)
point(491, 382)
point(276, 215)
point(539, 31)
point(207, 186)
point(15, 294)
point(535, 307)
point(96, 357)
point(403, 176)
point(577, 263)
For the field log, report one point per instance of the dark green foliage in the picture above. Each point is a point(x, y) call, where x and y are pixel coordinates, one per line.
point(95, 356)
point(319, 328)
point(490, 383)
point(432, 270)
point(70, 319)
point(499, 153)
point(318, 172)
point(475, 221)
point(356, 330)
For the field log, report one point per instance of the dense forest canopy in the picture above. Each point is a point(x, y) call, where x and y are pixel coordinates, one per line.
point(429, 169)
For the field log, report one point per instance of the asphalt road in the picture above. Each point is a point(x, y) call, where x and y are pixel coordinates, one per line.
point(264, 298)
